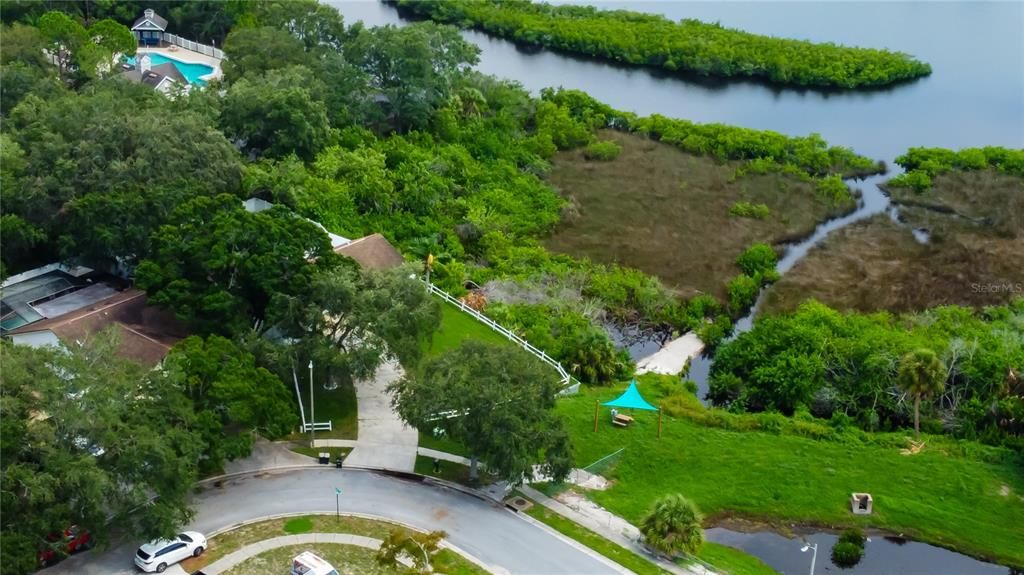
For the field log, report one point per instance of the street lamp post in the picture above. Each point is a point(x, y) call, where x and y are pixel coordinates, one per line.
point(312, 416)
point(814, 556)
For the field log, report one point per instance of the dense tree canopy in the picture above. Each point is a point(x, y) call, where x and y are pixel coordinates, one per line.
point(495, 400)
point(234, 399)
point(365, 317)
point(689, 46)
point(849, 364)
point(88, 437)
point(218, 266)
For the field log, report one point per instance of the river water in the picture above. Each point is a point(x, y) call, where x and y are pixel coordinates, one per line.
point(974, 97)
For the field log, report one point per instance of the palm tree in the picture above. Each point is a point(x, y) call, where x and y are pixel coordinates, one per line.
point(921, 374)
point(673, 525)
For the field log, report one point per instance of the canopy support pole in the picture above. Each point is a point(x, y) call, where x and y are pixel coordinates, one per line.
point(597, 407)
point(659, 423)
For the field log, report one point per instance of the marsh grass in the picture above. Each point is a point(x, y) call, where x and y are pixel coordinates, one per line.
point(667, 213)
point(975, 258)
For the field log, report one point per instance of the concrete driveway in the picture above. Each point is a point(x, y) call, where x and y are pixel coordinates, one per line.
point(491, 533)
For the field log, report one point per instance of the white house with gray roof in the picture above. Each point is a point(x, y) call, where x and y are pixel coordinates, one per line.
point(149, 28)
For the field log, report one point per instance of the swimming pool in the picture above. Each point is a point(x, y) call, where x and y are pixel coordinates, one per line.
point(192, 72)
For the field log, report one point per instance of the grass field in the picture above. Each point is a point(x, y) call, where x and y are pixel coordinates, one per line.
point(974, 259)
point(337, 405)
point(314, 452)
point(348, 559)
point(666, 212)
point(726, 560)
point(971, 505)
point(456, 327)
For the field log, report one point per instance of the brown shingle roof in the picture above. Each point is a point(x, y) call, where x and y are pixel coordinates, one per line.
point(373, 252)
point(146, 332)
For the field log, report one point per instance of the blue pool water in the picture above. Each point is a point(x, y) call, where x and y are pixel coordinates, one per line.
point(192, 72)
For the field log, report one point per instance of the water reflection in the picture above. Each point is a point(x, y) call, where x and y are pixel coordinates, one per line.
point(883, 555)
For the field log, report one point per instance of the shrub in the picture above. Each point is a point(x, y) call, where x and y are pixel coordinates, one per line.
point(672, 525)
point(853, 535)
point(743, 290)
point(846, 555)
point(916, 180)
point(749, 210)
point(758, 259)
point(832, 189)
point(603, 151)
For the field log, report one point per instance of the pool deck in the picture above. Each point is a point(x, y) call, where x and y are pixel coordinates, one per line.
point(186, 56)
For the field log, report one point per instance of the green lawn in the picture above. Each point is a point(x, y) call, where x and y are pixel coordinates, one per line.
point(458, 326)
point(974, 505)
point(732, 561)
point(315, 452)
point(726, 560)
point(337, 405)
point(450, 471)
point(618, 554)
point(442, 444)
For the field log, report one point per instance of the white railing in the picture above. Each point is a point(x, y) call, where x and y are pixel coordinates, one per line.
point(321, 426)
point(569, 385)
point(194, 46)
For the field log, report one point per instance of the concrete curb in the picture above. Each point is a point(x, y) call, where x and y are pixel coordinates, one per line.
point(444, 543)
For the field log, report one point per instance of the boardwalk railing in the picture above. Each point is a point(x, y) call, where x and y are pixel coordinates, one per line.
point(569, 384)
point(194, 46)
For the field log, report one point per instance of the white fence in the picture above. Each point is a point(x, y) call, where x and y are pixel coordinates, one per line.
point(321, 426)
point(569, 385)
point(194, 46)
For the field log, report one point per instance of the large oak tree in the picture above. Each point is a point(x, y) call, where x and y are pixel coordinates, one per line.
point(497, 401)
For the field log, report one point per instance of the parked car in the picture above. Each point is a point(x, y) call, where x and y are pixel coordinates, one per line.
point(72, 540)
point(307, 563)
point(158, 555)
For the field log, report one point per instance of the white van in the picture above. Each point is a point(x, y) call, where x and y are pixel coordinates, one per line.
point(306, 563)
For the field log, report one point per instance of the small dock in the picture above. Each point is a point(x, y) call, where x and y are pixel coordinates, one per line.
point(672, 357)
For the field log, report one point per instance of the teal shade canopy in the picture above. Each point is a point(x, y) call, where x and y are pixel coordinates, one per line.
point(631, 399)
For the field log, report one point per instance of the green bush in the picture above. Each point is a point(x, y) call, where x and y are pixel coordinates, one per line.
point(743, 290)
point(809, 155)
point(690, 46)
point(758, 259)
point(749, 210)
point(604, 151)
point(853, 535)
point(832, 189)
point(846, 555)
point(916, 180)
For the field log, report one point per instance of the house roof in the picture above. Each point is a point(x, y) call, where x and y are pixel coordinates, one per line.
point(146, 332)
point(150, 21)
point(155, 75)
point(373, 252)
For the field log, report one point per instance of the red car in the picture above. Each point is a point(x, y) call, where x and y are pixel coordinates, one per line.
point(73, 540)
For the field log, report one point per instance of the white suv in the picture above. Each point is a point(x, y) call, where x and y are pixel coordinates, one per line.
point(157, 555)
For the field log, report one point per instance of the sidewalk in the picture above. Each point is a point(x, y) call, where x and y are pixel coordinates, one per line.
point(232, 560)
point(608, 525)
point(384, 440)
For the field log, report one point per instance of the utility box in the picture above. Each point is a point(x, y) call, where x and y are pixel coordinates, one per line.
point(860, 503)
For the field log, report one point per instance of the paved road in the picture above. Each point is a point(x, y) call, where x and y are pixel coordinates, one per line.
point(491, 533)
